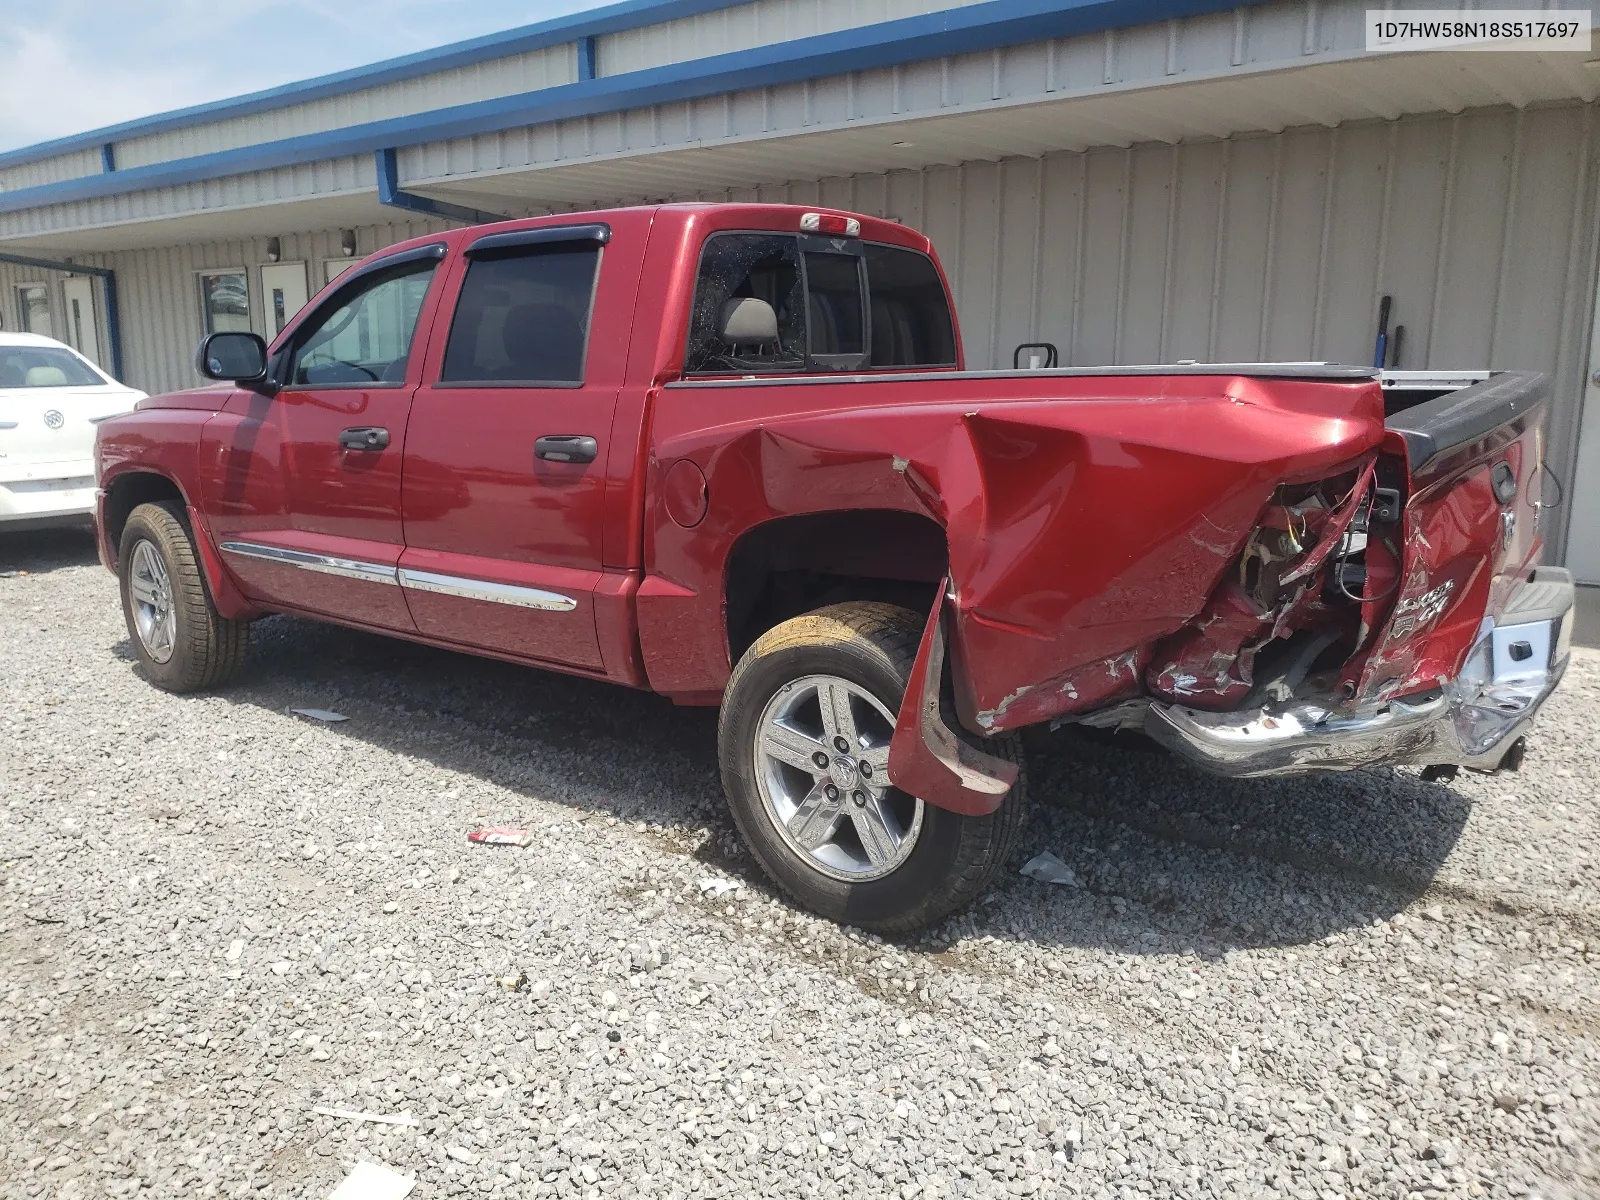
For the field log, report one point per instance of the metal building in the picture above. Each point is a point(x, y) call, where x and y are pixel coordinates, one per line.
point(1138, 181)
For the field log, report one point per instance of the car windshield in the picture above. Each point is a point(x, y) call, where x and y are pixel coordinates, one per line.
point(42, 367)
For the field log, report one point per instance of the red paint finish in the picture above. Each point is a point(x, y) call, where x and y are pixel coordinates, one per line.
point(1087, 517)
point(1107, 536)
point(1459, 566)
point(926, 756)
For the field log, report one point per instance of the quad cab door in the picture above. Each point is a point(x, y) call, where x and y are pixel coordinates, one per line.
point(506, 453)
point(303, 478)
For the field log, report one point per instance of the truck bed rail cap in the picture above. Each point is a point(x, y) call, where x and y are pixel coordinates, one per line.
point(1328, 371)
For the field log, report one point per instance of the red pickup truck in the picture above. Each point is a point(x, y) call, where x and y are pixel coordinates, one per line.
point(730, 453)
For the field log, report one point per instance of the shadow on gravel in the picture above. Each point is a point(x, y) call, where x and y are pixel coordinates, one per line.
point(39, 551)
point(1187, 862)
point(1169, 860)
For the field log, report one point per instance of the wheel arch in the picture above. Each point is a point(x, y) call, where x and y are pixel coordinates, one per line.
point(793, 564)
point(124, 493)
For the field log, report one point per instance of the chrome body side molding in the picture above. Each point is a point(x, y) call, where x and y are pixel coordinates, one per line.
point(326, 564)
point(422, 581)
point(482, 589)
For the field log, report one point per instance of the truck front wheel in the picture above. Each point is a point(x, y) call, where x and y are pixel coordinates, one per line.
point(804, 746)
point(183, 643)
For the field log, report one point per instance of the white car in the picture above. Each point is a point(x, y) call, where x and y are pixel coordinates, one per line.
point(51, 398)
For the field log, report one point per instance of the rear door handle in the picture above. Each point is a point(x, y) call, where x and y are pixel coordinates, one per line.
point(566, 447)
point(364, 437)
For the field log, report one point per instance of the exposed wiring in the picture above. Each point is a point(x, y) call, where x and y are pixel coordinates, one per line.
point(1343, 557)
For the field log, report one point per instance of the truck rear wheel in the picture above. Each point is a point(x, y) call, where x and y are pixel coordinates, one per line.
point(183, 643)
point(804, 746)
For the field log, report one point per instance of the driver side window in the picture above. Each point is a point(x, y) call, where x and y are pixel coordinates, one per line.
point(365, 336)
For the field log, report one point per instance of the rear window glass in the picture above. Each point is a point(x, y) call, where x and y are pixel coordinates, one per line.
point(833, 303)
point(42, 367)
point(523, 316)
point(759, 266)
point(821, 325)
point(911, 324)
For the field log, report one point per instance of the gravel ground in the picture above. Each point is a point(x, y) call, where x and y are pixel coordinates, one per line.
point(217, 917)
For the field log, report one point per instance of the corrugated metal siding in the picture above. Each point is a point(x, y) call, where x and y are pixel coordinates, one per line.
point(1482, 226)
point(749, 25)
point(500, 77)
point(50, 170)
point(1263, 68)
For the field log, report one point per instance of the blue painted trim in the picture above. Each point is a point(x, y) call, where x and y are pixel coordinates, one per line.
point(912, 39)
point(588, 58)
point(113, 325)
point(613, 18)
point(390, 193)
point(108, 157)
point(113, 322)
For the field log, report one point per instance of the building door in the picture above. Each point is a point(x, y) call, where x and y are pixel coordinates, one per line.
point(83, 332)
point(1583, 529)
point(283, 293)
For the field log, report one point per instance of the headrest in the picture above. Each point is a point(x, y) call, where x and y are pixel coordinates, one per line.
point(747, 321)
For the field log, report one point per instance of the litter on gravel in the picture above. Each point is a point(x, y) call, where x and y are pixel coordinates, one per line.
point(713, 887)
point(350, 1114)
point(371, 1182)
point(1047, 868)
point(501, 837)
point(320, 714)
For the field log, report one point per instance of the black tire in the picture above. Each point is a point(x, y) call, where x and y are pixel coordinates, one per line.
point(207, 649)
point(953, 859)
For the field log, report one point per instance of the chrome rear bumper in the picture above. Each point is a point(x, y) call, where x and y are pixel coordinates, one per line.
point(1472, 721)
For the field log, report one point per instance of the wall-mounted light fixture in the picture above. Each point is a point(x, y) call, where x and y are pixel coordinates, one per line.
point(347, 242)
point(274, 250)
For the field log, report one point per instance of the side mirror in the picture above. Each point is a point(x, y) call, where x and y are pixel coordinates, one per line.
point(234, 357)
point(748, 322)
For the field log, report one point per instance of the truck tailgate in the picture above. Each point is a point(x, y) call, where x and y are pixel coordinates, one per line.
point(1469, 467)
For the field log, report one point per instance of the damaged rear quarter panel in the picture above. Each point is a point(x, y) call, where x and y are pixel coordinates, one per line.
point(1087, 517)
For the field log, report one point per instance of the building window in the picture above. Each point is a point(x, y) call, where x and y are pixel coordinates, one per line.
point(33, 303)
point(225, 302)
point(523, 316)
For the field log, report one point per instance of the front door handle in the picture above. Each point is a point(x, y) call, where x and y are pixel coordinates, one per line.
point(364, 437)
point(566, 447)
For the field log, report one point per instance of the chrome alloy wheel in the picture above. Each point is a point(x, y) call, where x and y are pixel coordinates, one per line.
point(822, 767)
point(153, 613)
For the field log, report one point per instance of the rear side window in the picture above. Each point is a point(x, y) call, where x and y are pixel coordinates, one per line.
point(911, 324)
point(523, 316)
point(44, 366)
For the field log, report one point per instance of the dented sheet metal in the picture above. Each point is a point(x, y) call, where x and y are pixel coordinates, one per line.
point(1083, 531)
point(929, 759)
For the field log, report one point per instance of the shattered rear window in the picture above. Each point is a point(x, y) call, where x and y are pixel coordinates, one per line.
point(737, 265)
